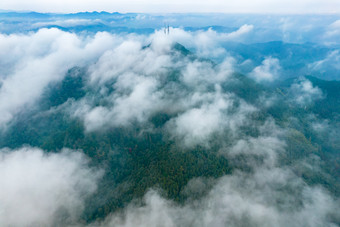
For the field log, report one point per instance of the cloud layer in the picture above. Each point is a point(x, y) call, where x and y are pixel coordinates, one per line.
point(131, 78)
point(37, 60)
point(42, 189)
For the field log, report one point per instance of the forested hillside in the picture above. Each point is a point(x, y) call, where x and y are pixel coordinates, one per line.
point(150, 152)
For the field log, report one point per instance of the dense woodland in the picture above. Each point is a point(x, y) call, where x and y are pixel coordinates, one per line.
point(135, 159)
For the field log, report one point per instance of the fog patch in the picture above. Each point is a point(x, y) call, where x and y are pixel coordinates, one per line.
point(44, 189)
point(135, 82)
point(269, 197)
point(268, 71)
point(267, 194)
point(67, 23)
point(329, 62)
point(214, 114)
point(304, 93)
point(30, 62)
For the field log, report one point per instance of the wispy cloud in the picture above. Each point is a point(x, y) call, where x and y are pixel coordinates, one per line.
point(268, 71)
point(42, 189)
point(130, 78)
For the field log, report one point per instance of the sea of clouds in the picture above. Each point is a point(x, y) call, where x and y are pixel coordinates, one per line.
point(128, 81)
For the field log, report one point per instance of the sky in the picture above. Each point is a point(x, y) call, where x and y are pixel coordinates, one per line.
point(177, 6)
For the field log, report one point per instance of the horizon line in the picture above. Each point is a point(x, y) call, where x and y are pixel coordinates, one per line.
point(167, 13)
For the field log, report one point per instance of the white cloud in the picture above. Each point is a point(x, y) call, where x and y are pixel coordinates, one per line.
point(330, 61)
point(33, 61)
point(40, 189)
point(211, 114)
point(267, 71)
point(268, 195)
point(199, 73)
point(197, 124)
point(332, 33)
point(304, 93)
point(67, 23)
point(274, 197)
point(236, 35)
point(143, 81)
point(49, 186)
point(138, 105)
point(157, 212)
point(208, 43)
point(266, 147)
point(30, 62)
point(129, 57)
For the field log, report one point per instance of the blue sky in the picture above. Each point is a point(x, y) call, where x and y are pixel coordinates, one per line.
point(183, 6)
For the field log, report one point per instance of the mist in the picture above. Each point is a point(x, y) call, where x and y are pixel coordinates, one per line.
point(199, 127)
point(44, 189)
